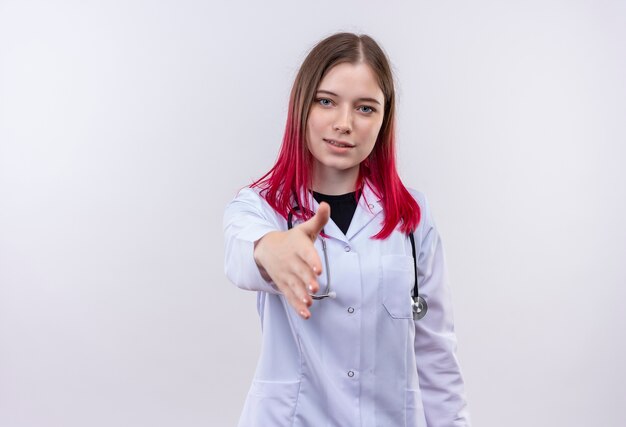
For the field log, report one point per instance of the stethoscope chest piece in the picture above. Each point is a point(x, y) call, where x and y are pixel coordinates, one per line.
point(419, 307)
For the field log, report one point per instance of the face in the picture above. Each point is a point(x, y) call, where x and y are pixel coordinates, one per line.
point(344, 120)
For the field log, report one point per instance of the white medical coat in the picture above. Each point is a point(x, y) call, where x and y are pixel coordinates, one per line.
point(360, 359)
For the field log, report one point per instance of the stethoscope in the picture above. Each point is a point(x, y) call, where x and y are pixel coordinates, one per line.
point(419, 306)
point(328, 293)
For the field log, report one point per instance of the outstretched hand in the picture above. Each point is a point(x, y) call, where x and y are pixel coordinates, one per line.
point(290, 260)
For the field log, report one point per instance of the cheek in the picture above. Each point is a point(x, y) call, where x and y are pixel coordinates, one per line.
point(311, 135)
point(314, 124)
point(372, 131)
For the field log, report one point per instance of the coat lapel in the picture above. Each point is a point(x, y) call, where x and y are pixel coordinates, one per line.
point(330, 229)
point(369, 207)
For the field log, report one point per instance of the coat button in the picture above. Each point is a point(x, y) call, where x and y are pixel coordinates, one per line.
point(350, 310)
point(347, 249)
point(371, 206)
point(350, 374)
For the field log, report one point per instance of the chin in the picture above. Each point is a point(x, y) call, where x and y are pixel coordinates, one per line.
point(339, 166)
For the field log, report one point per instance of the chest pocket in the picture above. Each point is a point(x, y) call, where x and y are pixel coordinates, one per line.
point(398, 280)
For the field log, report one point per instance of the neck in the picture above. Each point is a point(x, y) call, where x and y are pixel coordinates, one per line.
point(333, 182)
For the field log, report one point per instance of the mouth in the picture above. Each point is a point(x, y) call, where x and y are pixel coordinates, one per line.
point(340, 144)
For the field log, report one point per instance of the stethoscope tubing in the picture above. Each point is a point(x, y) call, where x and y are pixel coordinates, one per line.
point(328, 293)
point(418, 305)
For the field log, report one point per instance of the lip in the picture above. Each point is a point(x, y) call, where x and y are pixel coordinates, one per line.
point(346, 143)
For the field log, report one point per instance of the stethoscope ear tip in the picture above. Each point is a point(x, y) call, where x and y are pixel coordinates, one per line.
point(332, 294)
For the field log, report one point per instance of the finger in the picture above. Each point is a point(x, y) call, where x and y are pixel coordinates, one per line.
point(294, 302)
point(310, 257)
point(305, 273)
point(297, 297)
point(314, 225)
point(300, 289)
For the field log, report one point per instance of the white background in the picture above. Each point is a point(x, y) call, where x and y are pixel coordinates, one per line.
point(126, 127)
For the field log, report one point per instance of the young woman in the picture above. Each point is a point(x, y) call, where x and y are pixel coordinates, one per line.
point(333, 243)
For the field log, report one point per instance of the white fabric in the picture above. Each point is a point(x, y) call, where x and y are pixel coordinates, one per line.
point(361, 359)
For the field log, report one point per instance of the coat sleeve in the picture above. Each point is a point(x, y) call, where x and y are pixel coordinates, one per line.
point(440, 379)
point(246, 219)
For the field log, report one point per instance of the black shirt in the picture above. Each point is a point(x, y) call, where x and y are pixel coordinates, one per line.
point(342, 208)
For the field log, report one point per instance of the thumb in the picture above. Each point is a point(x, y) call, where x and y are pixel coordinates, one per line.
point(314, 225)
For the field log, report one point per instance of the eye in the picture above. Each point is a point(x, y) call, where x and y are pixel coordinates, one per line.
point(324, 101)
point(367, 109)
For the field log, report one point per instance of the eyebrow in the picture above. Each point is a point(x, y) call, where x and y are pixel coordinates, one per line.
point(360, 99)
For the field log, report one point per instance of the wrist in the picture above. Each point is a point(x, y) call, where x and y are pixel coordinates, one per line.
point(258, 256)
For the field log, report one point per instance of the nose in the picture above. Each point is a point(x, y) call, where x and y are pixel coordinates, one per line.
point(343, 120)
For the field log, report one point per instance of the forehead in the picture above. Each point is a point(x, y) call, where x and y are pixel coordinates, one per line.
point(352, 80)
